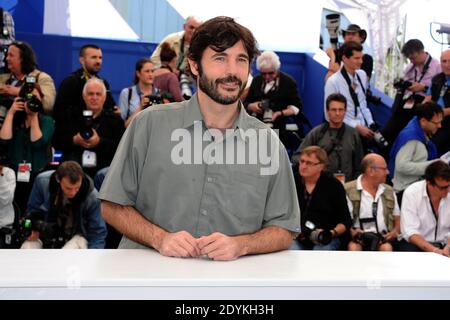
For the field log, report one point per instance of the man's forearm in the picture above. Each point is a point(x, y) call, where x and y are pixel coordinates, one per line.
point(128, 221)
point(421, 243)
point(269, 239)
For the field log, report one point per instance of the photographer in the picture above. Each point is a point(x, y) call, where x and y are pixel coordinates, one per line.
point(358, 35)
point(376, 215)
point(26, 134)
point(325, 216)
point(65, 211)
point(21, 62)
point(351, 82)
point(425, 218)
point(412, 88)
point(136, 98)
point(90, 137)
point(273, 95)
point(413, 150)
point(340, 141)
point(165, 77)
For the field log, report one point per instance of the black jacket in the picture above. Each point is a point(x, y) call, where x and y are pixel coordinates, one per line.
point(328, 204)
point(109, 127)
point(70, 95)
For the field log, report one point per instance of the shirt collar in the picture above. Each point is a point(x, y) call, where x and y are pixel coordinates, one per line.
point(192, 114)
point(380, 189)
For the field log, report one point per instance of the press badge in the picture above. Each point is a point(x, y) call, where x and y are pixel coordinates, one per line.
point(340, 176)
point(89, 159)
point(369, 225)
point(24, 172)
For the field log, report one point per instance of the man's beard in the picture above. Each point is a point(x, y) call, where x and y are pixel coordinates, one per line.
point(210, 88)
point(94, 70)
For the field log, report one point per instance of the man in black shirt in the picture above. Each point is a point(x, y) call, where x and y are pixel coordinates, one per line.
point(70, 91)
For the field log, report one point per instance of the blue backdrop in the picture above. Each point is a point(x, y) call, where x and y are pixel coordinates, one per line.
point(58, 56)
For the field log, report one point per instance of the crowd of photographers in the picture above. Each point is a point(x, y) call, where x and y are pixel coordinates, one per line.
point(343, 168)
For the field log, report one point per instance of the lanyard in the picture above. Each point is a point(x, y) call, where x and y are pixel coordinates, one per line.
point(435, 217)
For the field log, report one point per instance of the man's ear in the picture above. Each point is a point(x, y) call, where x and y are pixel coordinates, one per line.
point(81, 59)
point(194, 67)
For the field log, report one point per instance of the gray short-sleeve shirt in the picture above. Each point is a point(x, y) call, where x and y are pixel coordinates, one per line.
point(171, 170)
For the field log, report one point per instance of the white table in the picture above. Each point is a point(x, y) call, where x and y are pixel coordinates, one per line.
point(144, 274)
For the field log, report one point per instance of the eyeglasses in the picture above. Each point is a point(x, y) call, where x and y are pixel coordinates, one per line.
point(380, 168)
point(270, 73)
point(442, 188)
point(309, 163)
point(337, 110)
point(435, 122)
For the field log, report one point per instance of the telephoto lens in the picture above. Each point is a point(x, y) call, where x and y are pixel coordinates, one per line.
point(88, 119)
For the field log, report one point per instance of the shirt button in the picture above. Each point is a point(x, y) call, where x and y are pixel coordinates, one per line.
point(204, 212)
point(209, 179)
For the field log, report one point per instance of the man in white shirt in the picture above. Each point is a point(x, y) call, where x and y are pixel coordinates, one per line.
point(351, 82)
point(425, 217)
point(374, 207)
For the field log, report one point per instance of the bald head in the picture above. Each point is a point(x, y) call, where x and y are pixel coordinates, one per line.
point(374, 169)
point(445, 62)
point(372, 160)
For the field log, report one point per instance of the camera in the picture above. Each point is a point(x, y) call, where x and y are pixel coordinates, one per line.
point(88, 121)
point(185, 86)
point(378, 137)
point(333, 22)
point(267, 112)
point(26, 95)
point(372, 98)
point(322, 237)
point(153, 99)
point(50, 233)
point(369, 240)
point(402, 85)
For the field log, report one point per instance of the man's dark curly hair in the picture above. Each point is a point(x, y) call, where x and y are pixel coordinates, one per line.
point(221, 33)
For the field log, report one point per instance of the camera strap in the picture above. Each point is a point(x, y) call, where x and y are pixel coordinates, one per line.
point(334, 142)
point(352, 91)
point(424, 70)
point(370, 224)
point(434, 215)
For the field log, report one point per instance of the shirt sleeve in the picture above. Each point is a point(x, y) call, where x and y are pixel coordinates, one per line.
point(123, 103)
point(121, 184)
point(404, 160)
point(7, 187)
point(409, 219)
point(282, 208)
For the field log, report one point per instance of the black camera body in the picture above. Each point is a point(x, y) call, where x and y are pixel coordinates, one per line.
point(322, 237)
point(369, 240)
point(26, 95)
point(86, 131)
point(153, 99)
point(372, 98)
point(402, 85)
point(49, 232)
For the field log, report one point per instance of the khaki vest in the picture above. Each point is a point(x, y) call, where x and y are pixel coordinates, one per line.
point(387, 199)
